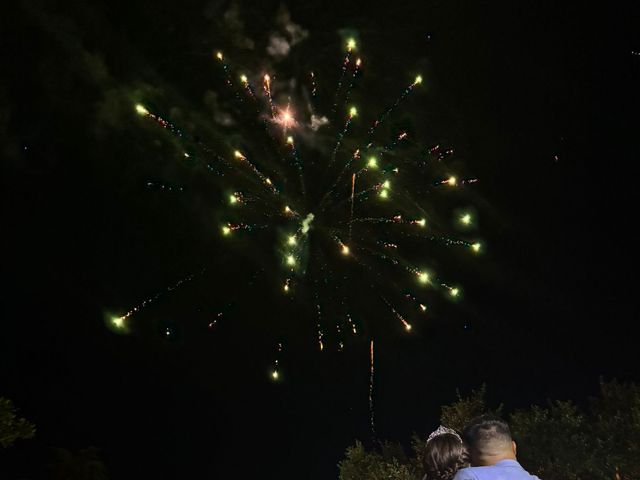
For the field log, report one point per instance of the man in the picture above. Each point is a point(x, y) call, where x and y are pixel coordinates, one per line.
point(492, 452)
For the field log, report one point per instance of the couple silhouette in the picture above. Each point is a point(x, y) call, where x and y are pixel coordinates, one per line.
point(485, 451)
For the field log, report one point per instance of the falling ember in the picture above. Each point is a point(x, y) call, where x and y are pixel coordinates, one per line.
point(266, 85)
point(406, 325)
point(118, 322)
point(247, 86)
point(353, 326)
point(225, 67)
point(229, 228)
point(314, 86)
point(141, 110)
point(275, 374)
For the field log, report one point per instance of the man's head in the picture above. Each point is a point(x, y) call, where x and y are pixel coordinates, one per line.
point(488, 439)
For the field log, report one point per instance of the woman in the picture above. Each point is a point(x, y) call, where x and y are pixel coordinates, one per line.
point(443, 455)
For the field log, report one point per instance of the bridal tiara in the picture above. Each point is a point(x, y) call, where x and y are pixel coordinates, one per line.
point(441, 431)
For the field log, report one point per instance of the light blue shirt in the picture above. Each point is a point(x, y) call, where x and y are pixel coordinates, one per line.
point(503, 470)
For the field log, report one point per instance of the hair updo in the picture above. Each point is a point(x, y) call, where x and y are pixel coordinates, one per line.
point(443, 456)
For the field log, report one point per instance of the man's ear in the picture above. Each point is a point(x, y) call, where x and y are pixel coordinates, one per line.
point(514, 447)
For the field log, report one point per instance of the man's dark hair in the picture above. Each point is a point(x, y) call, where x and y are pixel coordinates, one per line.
point(484, 433)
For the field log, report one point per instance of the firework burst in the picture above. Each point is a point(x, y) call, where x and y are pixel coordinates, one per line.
point(352, 204)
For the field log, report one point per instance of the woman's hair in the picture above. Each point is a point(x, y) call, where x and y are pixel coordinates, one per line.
point(443, 456)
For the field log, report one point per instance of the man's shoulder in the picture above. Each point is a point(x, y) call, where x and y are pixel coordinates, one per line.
point(466, 474)
point(506, 472)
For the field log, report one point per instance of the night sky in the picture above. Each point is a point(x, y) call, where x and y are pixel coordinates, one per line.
point(539, 101)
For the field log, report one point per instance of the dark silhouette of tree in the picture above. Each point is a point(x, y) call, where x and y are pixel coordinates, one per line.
point(12, 426)
point(83, 464)
point(563, 441)
point(458, 414)
point(359, 464)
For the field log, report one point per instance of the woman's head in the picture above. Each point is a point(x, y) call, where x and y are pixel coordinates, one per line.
point(443, 456)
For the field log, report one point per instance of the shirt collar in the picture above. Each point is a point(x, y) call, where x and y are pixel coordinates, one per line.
point(508, 463)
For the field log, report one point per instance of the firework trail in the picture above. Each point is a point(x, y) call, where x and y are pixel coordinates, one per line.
point(314, 85)
point(387, 112)
point(266, 86)
point(351, 45)
point(372, 422)
point(248, 87)
point(353, 192)
point(353, 112)
point(120, 322)
point(356, 70)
